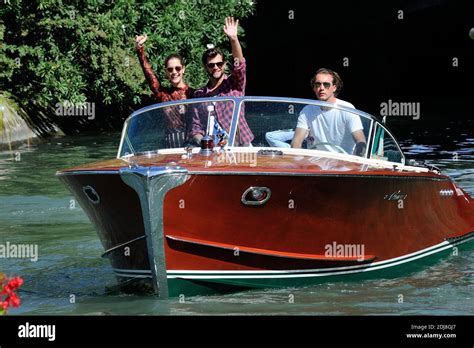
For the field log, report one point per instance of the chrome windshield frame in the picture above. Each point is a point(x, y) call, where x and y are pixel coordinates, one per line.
point(372, 135)
point(238, 101)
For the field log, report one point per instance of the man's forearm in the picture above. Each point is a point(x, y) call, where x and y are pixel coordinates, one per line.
point(298, 138)
point(296, 143)
point(236, 49)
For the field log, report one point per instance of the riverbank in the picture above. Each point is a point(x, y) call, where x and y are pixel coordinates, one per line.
point(16, 128)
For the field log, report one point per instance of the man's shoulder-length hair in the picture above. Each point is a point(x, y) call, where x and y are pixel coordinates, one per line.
point(337, 81)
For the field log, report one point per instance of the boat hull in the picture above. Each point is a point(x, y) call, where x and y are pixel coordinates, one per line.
point(313, 228)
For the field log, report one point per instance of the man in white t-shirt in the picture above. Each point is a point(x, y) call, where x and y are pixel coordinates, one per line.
point(331, 129)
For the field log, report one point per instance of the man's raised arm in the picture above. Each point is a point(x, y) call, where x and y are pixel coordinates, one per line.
point(230, 29)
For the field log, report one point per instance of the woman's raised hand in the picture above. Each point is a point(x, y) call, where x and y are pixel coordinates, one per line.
point(140, 40)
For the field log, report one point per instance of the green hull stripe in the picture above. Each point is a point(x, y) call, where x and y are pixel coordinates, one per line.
point(285, 274)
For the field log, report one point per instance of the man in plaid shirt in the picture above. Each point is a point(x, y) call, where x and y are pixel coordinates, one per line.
point(221, 85)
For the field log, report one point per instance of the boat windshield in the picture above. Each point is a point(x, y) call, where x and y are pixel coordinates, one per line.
point(259, 122)
point(306, 125)
point(172, 125)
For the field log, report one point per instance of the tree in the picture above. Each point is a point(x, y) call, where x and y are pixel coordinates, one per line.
point(79, 51)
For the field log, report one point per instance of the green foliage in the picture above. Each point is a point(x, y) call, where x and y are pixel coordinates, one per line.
point(83, 50)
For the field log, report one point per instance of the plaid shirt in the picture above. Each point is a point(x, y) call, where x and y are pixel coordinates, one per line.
point(234, 86)
point(175, 118)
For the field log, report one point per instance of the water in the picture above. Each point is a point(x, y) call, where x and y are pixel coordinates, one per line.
point(71, 278)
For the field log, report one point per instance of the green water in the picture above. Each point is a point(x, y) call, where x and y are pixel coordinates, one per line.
point(69, 276)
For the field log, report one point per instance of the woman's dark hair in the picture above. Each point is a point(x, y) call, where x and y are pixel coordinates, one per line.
point(336, 79)
point(174, 55)
point(211, 53)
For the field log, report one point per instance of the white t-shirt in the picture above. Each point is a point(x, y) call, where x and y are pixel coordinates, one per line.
point(328, 125)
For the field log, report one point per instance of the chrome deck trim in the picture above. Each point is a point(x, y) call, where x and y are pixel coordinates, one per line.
point(202, 172)
point(402, 177)
point(87, 172)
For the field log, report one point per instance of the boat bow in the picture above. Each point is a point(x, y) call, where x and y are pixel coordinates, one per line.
point(151, 185)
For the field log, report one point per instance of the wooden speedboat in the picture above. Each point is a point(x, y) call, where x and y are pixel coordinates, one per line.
point(193, 220)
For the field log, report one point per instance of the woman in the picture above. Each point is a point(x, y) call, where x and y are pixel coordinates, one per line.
point(176, 124)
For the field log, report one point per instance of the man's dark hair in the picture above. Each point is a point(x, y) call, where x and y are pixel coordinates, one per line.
point(174, 55)
point(211, 53)
point(336, 79)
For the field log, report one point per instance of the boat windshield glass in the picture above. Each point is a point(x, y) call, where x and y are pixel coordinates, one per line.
point(174, 126)
point(262, 122)
point(312, 126)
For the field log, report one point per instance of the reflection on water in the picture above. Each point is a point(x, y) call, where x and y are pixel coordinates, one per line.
point(437, 142)
point(449, 148)
point(36, 208)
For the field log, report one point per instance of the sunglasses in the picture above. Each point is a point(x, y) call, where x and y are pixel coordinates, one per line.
point(325, 84)
point(171, 68)
point(212, 65)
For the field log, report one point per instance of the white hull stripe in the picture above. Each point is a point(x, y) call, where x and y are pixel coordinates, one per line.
point(322, 272)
